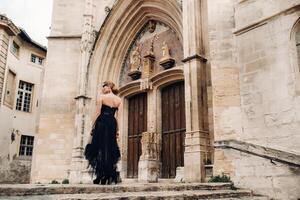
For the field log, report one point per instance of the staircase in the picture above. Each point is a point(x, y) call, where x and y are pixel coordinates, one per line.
point(127, 190)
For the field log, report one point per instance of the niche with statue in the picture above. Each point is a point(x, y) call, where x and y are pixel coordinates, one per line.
point(155, 48)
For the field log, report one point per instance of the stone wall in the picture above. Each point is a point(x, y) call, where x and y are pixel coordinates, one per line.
point(255, 94)
point(54, 145)
point(271, 178)
point(224, 70)
point(269, 100)
point(17, 171)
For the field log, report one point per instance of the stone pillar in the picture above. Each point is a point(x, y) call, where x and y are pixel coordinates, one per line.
point(149, 160)
point(78, 163)
point(197, 135)
point(148, 163)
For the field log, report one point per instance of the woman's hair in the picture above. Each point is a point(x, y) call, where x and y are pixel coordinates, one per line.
point(111, 85)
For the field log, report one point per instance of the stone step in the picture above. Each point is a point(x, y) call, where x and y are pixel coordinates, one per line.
point(151, 195)
point(49, 189)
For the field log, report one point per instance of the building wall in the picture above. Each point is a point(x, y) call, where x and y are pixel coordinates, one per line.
point(15, 168)
point(5, 123)
point(254, 86)
point(4, 39)
point(264, 106)
point(269, 98)
point(57, 132)
point(53, 147)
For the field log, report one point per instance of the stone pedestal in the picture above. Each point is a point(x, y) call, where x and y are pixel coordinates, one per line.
point(148, 170)
point(179, 175)
point(136, 74)
point(167, 63)
point(148, 65)
point(149, 160)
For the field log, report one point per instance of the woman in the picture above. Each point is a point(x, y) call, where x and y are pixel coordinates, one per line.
point(103, 152)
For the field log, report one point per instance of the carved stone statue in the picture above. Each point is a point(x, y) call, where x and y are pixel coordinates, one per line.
point(166, 61)
point(165, 51)
point(150, 144)
point(152, 26)
point(135, 59)
point(151, 50)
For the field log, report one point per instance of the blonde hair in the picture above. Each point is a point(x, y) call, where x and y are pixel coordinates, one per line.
point(112, 86)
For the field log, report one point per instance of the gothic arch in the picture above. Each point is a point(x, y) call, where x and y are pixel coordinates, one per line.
point(116, 35)
point(295, 52)
point(295, 41)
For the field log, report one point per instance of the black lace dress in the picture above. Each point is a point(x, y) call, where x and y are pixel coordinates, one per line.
point(103, 152)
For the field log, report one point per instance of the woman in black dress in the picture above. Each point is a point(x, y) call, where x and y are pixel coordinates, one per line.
point(103, 152)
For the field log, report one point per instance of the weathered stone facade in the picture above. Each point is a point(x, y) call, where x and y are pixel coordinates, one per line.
point(239, 64)
point(16, 50)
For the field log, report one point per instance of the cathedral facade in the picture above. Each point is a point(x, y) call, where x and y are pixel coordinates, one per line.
point(209, 87)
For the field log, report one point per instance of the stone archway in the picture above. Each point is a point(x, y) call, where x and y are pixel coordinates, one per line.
point(115, 37)
point(119, 30)
point(118, 33)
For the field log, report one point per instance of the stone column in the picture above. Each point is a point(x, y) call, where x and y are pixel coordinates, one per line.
point(197, 135)
point(78, 163)
point(149, 160)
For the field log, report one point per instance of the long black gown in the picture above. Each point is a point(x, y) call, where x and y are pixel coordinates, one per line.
point(103, 152)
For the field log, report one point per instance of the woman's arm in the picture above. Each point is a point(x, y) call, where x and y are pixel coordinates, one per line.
point(97, 111)
point(119, 116)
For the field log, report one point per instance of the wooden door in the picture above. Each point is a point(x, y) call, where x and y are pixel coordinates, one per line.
point(173, 128)
point(137, 123)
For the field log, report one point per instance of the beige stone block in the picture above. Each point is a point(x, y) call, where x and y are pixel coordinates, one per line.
point(226, 101)
point(256, 65)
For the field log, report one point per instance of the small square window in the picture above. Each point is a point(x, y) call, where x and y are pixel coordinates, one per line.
point(33, 58)
point(40, 61)
point(37, 60)
point(15, 48)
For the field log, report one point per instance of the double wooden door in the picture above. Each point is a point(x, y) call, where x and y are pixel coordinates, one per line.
point(137, 123)
point(173, 128)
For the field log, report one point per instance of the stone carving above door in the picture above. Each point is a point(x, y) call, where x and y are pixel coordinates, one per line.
point(166, 61)
point(135, 63)
point(154, 45)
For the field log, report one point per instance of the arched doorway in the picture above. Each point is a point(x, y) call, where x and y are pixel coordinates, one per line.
point(147, 27)
point(173, 128)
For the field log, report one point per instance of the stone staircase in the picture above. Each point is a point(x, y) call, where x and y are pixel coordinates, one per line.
point(130, 191)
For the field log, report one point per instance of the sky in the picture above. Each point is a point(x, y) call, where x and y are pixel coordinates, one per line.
point(34, 16)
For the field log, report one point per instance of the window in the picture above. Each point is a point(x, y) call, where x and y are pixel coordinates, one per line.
point(24, 96)
point(15, 48)
point(298, 45)
point(37, 60)
point(26, 145)
point(9, 95)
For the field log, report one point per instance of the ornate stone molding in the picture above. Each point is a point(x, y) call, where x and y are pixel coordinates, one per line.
point(111, 34)
point(130, 89)
point(263, 21)
point(196, 56)
point(150, 146)
point(8, 25)
point(167, 76)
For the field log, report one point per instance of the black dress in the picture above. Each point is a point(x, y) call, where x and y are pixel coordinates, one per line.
point(103, 152)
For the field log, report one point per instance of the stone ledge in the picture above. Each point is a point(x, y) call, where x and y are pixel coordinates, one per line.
point(261, 151)
point(50, 189)
point(186, 195)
